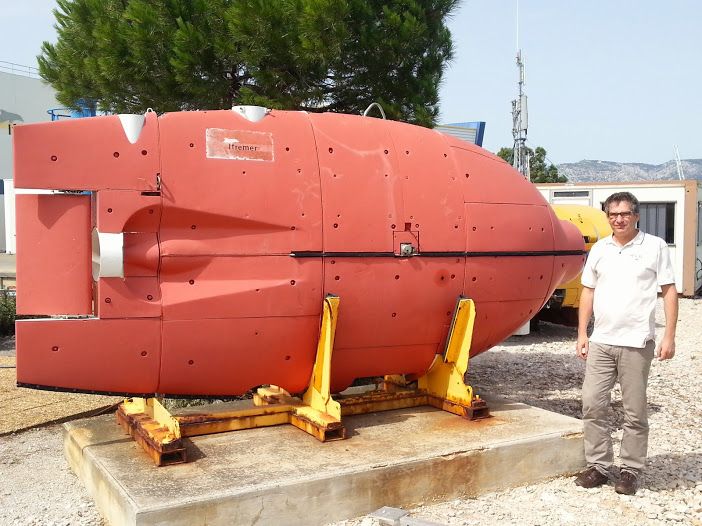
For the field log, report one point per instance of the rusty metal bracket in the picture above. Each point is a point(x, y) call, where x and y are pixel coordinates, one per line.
point(153, 428)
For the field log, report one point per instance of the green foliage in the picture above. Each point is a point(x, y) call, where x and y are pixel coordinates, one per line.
point(7, 314)
point(318, 55)
point(540, 170)
point(507, 154)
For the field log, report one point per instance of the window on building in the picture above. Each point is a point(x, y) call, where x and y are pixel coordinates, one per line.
point(571, 193)
point(658, 219)
point(699, 223)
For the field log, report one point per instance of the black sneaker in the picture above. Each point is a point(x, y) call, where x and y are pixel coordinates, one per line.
point(627, 484)
point(591, 478)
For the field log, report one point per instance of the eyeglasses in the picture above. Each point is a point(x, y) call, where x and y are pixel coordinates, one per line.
point(623, 215)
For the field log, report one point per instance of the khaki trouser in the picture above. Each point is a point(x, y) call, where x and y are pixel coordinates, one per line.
point(605, 365)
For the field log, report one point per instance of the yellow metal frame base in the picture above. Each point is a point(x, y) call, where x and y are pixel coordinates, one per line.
point(316, 413)
point(380, 400)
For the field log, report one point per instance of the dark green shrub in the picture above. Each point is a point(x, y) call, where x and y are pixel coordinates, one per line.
point(7, 313)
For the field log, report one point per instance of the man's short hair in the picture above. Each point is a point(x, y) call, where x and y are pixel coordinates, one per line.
point(622, 196)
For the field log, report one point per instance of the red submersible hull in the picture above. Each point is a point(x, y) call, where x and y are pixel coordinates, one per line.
point(189, 254)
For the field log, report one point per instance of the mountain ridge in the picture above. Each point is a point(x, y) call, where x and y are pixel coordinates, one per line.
point(595, 171)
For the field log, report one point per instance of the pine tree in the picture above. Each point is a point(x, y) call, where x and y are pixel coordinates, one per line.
point(540, 170)
point(319, 55)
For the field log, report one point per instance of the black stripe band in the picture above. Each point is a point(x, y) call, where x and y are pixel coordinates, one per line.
point(515, 253)
point(125, 394)
point(313, 254)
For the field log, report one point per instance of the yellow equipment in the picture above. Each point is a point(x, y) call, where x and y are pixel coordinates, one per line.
point(562, 307)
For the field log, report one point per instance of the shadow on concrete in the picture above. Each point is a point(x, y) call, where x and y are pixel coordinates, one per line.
point(353, 423)
point(192, 452)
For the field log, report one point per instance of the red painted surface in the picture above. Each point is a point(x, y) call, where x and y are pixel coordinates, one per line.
point(71, 155)
point(129, 297)
point(90, 354)
point(209, 356)
point(53, 247)
point(226, 263)
point(127, 211)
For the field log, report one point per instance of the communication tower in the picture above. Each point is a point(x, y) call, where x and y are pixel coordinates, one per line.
point(520, 123)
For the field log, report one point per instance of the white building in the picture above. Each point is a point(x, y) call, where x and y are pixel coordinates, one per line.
point(24, 98)
point(671, 210)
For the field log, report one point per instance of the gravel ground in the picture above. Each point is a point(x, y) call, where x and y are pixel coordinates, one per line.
point(38, 488)
point(542, 370)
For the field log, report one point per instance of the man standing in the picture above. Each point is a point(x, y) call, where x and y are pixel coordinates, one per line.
point(620, 283)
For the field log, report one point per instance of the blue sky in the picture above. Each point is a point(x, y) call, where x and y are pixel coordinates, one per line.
point(609, 80)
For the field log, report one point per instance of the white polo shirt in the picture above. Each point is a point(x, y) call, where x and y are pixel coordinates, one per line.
point(626, 281)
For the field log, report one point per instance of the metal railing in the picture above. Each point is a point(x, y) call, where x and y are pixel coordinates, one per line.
point(19, 69)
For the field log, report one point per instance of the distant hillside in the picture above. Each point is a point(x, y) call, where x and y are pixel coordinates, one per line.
point(609, 171)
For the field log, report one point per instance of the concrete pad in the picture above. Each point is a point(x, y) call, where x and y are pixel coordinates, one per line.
point(280, 475)
point(388, 516)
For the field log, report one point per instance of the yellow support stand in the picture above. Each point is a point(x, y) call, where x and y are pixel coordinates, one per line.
point(444, 382)
point(316, 413)
point(318, 407)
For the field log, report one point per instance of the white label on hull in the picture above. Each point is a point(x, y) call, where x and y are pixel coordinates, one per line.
point(240, 145)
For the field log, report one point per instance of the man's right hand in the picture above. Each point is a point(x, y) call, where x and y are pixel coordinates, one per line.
point(587, 297)
point(582, 347)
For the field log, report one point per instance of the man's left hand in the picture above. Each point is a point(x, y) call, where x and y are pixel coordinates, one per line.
point(666, 350)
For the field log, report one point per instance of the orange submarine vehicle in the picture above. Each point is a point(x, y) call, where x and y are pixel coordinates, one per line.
point(189, 254)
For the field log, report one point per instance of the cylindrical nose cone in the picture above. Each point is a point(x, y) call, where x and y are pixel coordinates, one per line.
point(568, 238)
